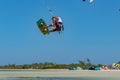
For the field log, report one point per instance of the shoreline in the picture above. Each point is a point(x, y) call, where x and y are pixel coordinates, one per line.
point(58, 73)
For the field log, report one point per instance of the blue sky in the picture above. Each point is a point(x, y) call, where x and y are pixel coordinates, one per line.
point(91, 31)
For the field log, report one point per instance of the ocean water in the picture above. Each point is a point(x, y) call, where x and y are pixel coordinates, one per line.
point(57, 78)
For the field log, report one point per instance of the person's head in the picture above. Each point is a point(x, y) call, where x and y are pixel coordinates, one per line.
point(54, 18)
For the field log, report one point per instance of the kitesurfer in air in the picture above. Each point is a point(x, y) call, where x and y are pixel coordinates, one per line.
point(56, 25)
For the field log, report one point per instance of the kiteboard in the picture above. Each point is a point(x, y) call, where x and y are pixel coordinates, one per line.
point(42, 26)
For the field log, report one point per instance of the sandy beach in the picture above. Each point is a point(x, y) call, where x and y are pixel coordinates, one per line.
point(60, 73)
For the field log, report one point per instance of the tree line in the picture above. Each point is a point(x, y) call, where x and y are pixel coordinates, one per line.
point(51, 65)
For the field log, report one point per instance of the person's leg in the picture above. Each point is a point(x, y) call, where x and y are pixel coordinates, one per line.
point(53, 30)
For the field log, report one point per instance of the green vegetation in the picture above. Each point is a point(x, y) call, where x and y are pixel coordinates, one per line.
point(50, 65)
